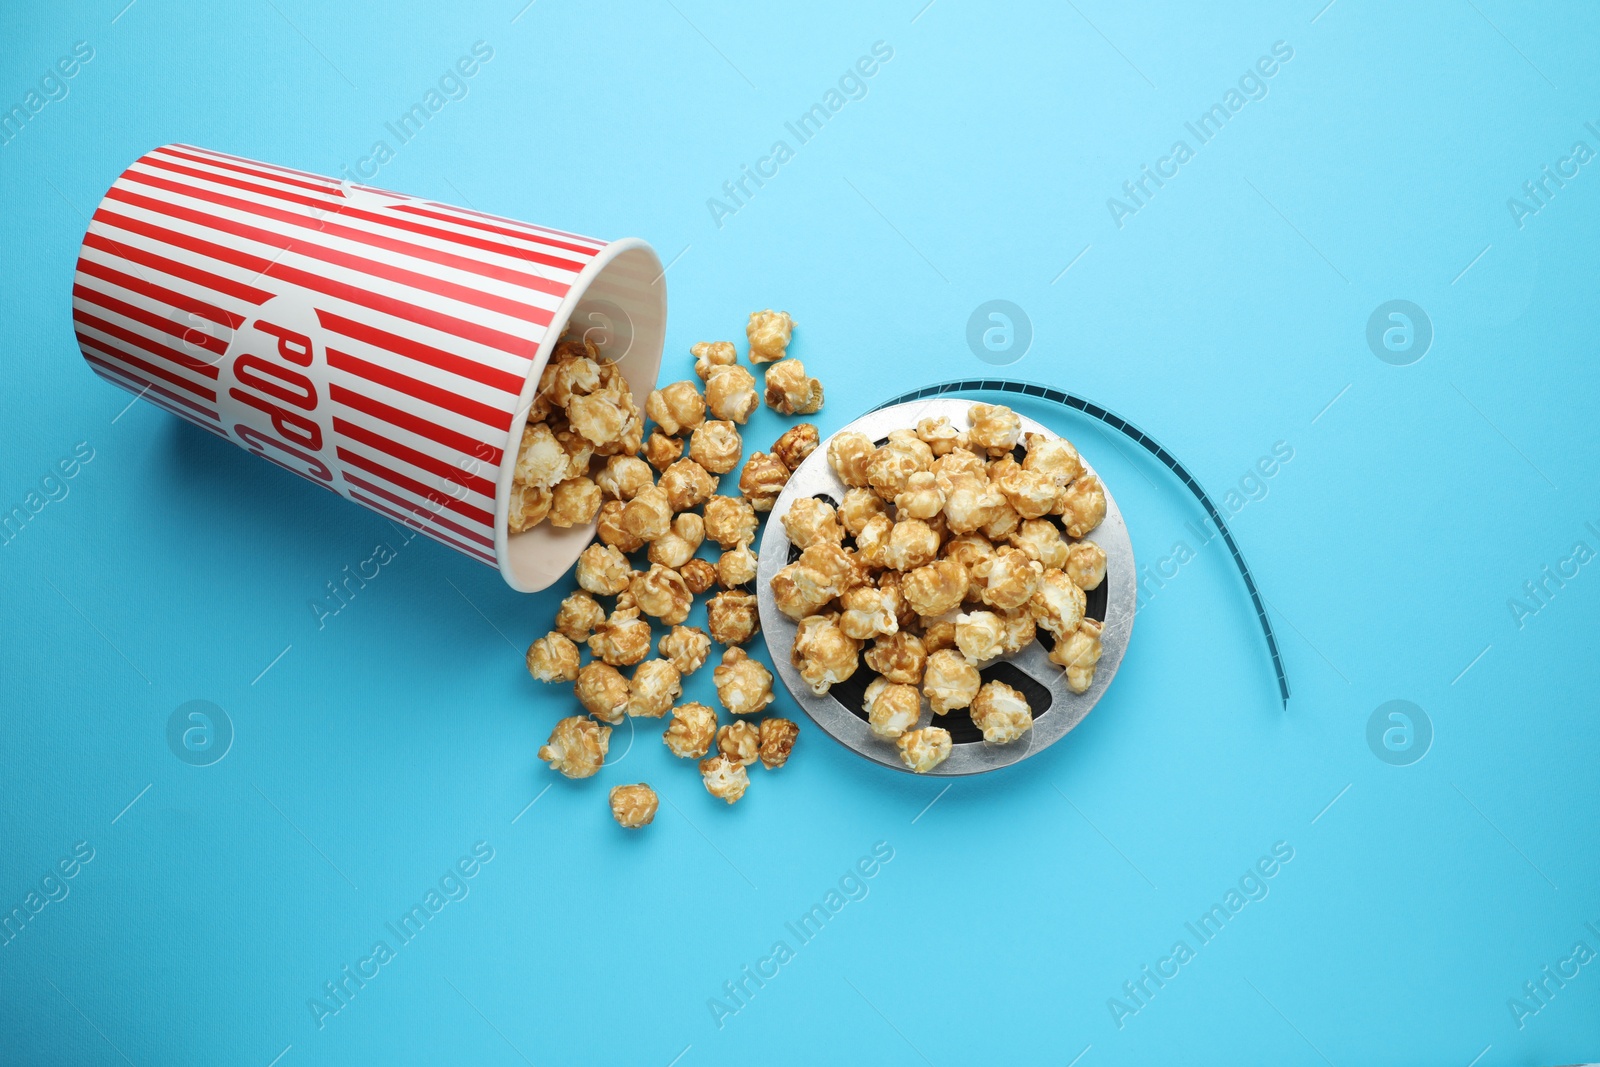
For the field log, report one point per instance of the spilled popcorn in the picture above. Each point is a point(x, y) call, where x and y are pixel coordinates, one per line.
point(586, 457)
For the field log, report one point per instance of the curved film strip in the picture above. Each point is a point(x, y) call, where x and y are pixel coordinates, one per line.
point(1144, 441)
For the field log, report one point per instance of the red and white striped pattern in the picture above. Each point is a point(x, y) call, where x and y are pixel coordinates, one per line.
point(426, 320)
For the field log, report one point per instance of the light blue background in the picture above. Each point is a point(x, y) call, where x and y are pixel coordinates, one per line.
point(1225, 316)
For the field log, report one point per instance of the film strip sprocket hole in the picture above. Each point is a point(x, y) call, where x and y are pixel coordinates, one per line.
point(1062, 398)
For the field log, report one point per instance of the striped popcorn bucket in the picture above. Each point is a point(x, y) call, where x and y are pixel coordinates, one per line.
point(383, 346)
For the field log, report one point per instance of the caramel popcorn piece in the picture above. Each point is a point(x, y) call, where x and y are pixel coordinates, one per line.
point(649, 514)
point(824, 653)
point(577, 747)
point(778, 736)
point(872, 543)
point(890, 584)
point(837, 565)
point(810, 520)
point(762, 479)
point(1086, 565)
point(923, 750)
point(731, 394)
point(859, 507)
point(740, 741)
point(603, 570)
point(891, 469)
point(677, 546)
point(662, 450)
point(553, 658)
point(624, 638)
point(907, 441)
point(736, 567)
point(768, 333)
point(834, 563)
point(1052, 456)
point(898, 658)
point(686, 647)
point(612, 382)
point(574, 502)
point(631, 440)
point(687, 485)
point(578, 615)
point(716, 446)
point(609, 528)
point(698, 574)
point(562, 380)
point(949, 681)
point(1001, 466)
point(1009, 578)
point(939, 635)
point(1040, 539)
point(970, 550)
point(799, 590)
point(633, 806)
point(1002, 523)
point(691, 730)
point(958, 462)
point(730, 520)
point(790, 391)
point(610, 373)
point(1020, 631)
point(605, 416)
point(940, 436)
point(541, 461)
point(578, 449)
point(724, 779)
point(935, 588)
point(540, 409)
point(1032, 494)
point(996, 429)
point(744, 686)
point(980, 635)
point(732, 617)
point(922, 498)
point(1058, 604)
point(709, 355)
point(795, 444)
point(661, 592)
point(1079, 653)
point(1082, 505)
point(891, 709)
point(868, 612)
point(656, 684)
point(676, 407)
point(623, 476)
point(569, 373)
point(912, 543)
point(850, 454)
point(971, 502)
point(603, 691)
point(1001, 712)
point(528, 507)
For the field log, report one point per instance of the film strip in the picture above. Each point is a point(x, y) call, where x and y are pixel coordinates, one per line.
point(1144, 441)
